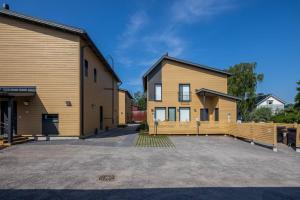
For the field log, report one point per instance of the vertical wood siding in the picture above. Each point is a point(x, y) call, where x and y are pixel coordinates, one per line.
point(32, 55)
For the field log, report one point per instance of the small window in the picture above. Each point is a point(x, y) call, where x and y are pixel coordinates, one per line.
point(269, 102)
point(204, 114)
point(172, 114)
point(184, 92)
point(160, 114)
point(184, 114)
point(86, 68)
point(158, 92)
point(216, 114)
point(95, 75)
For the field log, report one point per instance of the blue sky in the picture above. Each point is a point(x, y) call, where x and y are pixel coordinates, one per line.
point(218, 33)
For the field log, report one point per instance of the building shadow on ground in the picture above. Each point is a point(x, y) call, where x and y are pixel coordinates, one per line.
point(116, 132)
point(205, 193)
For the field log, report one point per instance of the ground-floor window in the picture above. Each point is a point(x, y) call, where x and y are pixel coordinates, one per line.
point(160, 114)
point(216, 114)
point(50, 124)
point(204, 115)
point(184, 114)
point(172, 114)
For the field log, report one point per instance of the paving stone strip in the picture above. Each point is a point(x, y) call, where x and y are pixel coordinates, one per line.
point(158, 141)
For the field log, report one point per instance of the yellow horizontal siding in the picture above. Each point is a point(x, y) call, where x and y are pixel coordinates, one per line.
point(32, 55)
point(171, 75)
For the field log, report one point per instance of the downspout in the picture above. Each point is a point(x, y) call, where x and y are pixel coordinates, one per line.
point(82, 90)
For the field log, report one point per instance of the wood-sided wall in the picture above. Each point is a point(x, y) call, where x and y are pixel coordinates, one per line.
point(32, 55)
point(122, 107)
point(99, 93)
point(125, 107)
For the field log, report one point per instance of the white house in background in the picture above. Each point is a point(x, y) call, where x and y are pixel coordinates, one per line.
point(268, 100)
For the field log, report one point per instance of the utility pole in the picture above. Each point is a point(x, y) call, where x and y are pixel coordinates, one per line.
point(113, 91)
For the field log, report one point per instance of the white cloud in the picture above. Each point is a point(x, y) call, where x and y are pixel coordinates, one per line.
point(137, 21)
point(135, 82)
point(196, 10)
point(144, 40)
point(165, 42)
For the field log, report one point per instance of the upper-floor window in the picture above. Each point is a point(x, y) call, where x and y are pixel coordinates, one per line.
point(269, 102)
point(184, 92)
point(86, 68)
point(157, 92)
point(95, 75)
point(204, 116)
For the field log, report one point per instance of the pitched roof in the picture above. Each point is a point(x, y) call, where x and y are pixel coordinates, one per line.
point(263, 97)
point(65, 28)
point(126, 91)
point(204, 90)
point(167, 57)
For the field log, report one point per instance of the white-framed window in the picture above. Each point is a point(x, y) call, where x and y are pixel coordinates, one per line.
point(184, 92)
point(158, 92)
point(184, 114)
point(160, 114)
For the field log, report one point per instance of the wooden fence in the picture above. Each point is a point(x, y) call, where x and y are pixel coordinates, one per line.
point(187, 128)
point(261, 133)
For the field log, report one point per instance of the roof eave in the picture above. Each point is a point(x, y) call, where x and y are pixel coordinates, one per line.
point(218, 93)
point(184, 62)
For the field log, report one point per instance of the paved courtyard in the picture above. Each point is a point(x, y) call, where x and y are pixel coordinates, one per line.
point(214, 167)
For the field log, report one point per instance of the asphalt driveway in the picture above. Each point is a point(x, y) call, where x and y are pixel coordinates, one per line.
point(214, 167)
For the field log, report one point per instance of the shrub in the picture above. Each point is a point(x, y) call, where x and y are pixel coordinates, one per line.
point(143, 127)
point(261, 115)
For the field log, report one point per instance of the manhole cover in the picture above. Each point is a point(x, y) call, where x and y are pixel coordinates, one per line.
point(107, 178)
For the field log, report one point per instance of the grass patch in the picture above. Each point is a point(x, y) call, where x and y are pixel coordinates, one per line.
point(159, 141)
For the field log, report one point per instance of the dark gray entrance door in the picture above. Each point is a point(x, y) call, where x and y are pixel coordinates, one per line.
point(50, 124)
point(101, 118)
point(4, 118)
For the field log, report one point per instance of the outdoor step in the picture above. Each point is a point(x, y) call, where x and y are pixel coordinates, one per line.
point(16, 140)
point(21, 141)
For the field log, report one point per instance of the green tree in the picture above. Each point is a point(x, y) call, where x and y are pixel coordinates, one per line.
point(297, 98)
point(290, 115)
point(243, 84)
point(262, 114)
point(140, 100)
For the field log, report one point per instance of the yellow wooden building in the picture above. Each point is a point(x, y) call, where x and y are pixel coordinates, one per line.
point(182, 95)
point(125, 106)
point(53, 80)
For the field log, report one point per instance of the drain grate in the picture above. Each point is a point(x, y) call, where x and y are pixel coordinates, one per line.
point(107, 178)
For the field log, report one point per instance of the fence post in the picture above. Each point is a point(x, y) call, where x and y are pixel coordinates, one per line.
point(298, 138)
point(252, 132)
point(274, 137)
